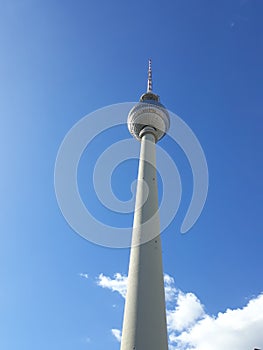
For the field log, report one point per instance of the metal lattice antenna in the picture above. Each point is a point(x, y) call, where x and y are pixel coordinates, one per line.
point(150, 83)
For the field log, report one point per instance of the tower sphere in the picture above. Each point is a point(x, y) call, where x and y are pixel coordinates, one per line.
point(149, 112)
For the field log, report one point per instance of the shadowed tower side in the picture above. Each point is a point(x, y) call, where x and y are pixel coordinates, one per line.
point(144, 323)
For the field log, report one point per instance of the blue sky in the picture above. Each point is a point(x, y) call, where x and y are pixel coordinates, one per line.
point(62, 60)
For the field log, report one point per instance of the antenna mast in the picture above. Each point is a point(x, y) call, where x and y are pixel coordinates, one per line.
point(150, 82)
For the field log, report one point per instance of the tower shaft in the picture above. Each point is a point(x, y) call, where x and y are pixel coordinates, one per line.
point(144, 324)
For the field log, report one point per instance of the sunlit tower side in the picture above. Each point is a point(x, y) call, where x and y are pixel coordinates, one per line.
point(144, 323)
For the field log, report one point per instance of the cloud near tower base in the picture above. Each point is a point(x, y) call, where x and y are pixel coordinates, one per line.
point(191, 328)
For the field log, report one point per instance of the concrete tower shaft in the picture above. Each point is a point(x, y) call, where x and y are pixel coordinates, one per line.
point(144, 324)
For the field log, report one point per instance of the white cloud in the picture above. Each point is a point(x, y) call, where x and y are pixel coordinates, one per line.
point(233, 329)
point(116, 333)
point(169, 287)
point(187, 311)
point(116, 284)
point(84, 275)
point(119, 284)
point(190, 328)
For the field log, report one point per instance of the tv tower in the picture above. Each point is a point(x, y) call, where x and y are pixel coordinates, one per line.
point(144, 323)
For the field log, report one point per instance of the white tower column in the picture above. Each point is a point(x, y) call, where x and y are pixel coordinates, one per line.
point(144, 324)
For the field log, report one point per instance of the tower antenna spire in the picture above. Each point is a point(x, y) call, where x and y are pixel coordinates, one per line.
point(150, 82)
